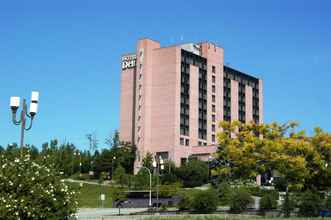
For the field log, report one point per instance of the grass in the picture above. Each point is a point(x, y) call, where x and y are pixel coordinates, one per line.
point(234, 217)
point(89, 196)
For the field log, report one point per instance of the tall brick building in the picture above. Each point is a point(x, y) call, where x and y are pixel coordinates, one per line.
point(172, 99)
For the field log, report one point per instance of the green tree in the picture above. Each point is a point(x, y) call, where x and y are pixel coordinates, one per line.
point(120, 176)
point(148, 161)
point(194, 173)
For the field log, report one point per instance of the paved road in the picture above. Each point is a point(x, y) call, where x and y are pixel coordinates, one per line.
point(96, 214)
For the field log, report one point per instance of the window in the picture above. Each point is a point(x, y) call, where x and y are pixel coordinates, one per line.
point(140, 75)
point(213, 79)
point(213, 69)
point(213, 118)
point(213, 98)
point(213, 88)
point(213, 128)
point(181, 141)
point(213, 138)
point(213, 108)
point(187, 142)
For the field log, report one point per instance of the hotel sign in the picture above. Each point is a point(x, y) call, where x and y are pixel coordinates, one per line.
point(129, 62)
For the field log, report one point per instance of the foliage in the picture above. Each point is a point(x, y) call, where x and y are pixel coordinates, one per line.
point(141, 180)
point(169, 173)
point(251, 149)
point(31, 190)
point(186, 199)
point(119, 194)
point(194, 173)
point(205, 201)
point(327, 203)
point(268, 202)
point(288, 205)
point(169, 190)
point(240, 200)
point(310, 204)
point(280, 184)
point(148, 161)
point(224, 193)
point(120, 176)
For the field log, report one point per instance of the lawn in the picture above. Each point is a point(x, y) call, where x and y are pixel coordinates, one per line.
point(89, 196)
point(233, 217)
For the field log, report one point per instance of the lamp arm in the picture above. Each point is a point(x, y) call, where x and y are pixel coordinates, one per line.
point(14, 119)
point(31, 122)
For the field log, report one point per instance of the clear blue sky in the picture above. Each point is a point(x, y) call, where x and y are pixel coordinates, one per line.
point(70, 52)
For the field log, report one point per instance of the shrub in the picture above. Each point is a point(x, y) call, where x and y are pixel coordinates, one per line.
point(268, 202)
point(310, 204)
point(327, 203)
point(186, 199)
point(169, 190)
point(30, 190)
point(240, 200)
point(224, 193)
point(287, 206)
point(205, 201)
point(194, 173)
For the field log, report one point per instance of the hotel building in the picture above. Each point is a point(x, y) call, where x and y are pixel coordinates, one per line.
point(172, 99)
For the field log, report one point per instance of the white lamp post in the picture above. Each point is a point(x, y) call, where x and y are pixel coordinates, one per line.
point(15, 104)
point(150, 184)
point(158, 164)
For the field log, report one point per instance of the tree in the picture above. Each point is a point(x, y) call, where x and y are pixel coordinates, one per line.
point(252, 149)
point(114, 141)
point(148, 161)
point(33, 191)
point(194, 173)
point(93, 141)
point(120, 176)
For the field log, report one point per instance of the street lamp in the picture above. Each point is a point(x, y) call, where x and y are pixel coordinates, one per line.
point(112, 168)
point(15, 104)
point(158, 164)
point(150, 184)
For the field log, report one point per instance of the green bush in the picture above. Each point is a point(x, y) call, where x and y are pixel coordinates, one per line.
point(186, 199)
point(240, 200)
point(327, 203)
point(268, 202)
point(224, 193)
point(169, 190)
point(33, 191)
point(310, 204)
point(287, 206)
point(205, 201)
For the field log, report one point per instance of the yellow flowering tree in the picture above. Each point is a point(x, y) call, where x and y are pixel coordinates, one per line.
point(252, 149)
